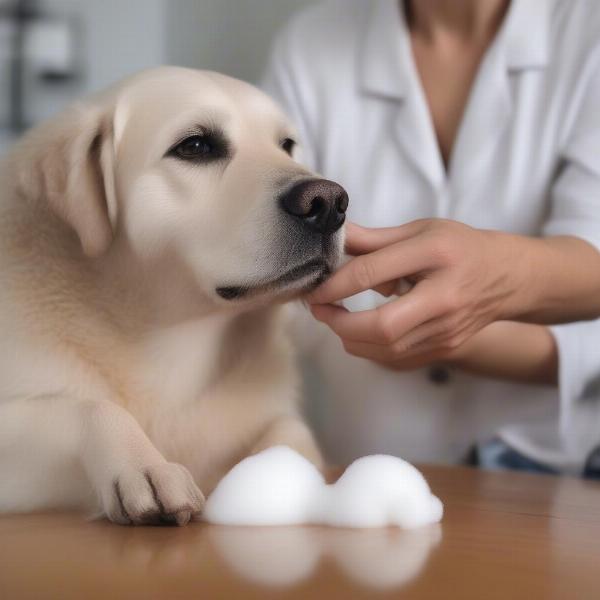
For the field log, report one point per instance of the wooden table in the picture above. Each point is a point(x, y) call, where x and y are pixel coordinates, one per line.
point(504, 535)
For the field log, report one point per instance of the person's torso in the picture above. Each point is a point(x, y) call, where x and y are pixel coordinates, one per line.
point(371, 131)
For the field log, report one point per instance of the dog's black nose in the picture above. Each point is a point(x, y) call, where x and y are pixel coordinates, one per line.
point(319, 204)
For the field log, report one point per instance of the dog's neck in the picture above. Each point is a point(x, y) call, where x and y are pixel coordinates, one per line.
point(147, 294)
point(148, 324)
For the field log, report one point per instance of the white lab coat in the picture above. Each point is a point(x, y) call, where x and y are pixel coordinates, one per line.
point(526, 160)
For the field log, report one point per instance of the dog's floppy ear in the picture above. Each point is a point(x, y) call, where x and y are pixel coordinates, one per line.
point(69, 166)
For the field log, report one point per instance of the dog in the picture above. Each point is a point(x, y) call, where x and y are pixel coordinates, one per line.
point(150, 238)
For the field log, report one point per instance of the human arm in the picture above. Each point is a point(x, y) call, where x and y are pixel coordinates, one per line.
point(520, 352)
point(464, 279)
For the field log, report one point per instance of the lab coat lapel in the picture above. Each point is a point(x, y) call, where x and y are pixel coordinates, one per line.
point(388, 73)
point(521, 44)
point(415, 131)
point(485, 117)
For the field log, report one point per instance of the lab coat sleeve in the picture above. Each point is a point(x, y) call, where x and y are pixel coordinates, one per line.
point(575, 210)
point(575, 195)
point(287, 79)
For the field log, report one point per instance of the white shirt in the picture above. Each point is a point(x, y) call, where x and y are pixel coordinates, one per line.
point(526, 160)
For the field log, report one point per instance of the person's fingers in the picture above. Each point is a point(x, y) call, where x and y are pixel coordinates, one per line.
point(390, 356)
point(426, 336)
point(398, 287)
point(374, 352)
point(384, 324)
point(371, 270)
point(362, 240)
point(386, 289)
point(422, 340)
point(357, 326)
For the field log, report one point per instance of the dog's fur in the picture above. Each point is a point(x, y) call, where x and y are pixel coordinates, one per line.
point(128, 384)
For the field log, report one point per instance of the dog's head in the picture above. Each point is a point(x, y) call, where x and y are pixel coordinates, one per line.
point(199, 167)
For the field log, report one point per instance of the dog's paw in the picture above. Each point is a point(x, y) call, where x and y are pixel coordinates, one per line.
point(156, 495)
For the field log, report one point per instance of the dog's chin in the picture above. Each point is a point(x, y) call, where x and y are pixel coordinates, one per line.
point(292, 283)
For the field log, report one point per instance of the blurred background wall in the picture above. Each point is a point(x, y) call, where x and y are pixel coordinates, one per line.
point(69, 48)
point(232, 36)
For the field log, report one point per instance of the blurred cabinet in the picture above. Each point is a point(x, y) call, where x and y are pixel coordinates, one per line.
point(70, 48)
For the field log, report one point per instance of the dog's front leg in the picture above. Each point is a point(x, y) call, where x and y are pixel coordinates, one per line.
point(290, 430)
point(45, 436)
point(135, 482)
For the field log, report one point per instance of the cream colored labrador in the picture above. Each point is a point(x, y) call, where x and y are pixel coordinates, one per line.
point(148, 239)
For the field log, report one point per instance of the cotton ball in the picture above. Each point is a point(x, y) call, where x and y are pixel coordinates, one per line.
point(376, 491)
point(275, 487)
point(280, 487)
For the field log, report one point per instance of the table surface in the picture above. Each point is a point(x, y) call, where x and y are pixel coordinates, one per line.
point(504, 535)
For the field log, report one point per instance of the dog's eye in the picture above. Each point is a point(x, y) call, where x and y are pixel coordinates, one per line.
point(201, 148)
point(287, 145)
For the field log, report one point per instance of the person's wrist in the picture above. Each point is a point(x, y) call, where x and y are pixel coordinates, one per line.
point(461, 357)
point(519, 274)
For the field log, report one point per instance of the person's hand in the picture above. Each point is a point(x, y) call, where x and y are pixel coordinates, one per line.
point(463, 279)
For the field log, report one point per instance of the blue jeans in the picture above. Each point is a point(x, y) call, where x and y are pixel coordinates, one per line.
point(496, 455)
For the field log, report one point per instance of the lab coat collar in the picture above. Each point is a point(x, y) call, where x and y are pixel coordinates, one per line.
point(527, 30)
point(385, 68)
point(387, 59)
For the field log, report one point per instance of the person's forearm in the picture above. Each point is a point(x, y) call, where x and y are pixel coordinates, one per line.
point(513, 351)
point(557, 280)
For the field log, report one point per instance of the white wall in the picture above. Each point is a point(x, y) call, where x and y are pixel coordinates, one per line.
point(119, 37)
point(231, 36)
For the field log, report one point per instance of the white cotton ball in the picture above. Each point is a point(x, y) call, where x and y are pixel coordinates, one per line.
point(275, 487)
point(280, 487)
point(376, 491)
